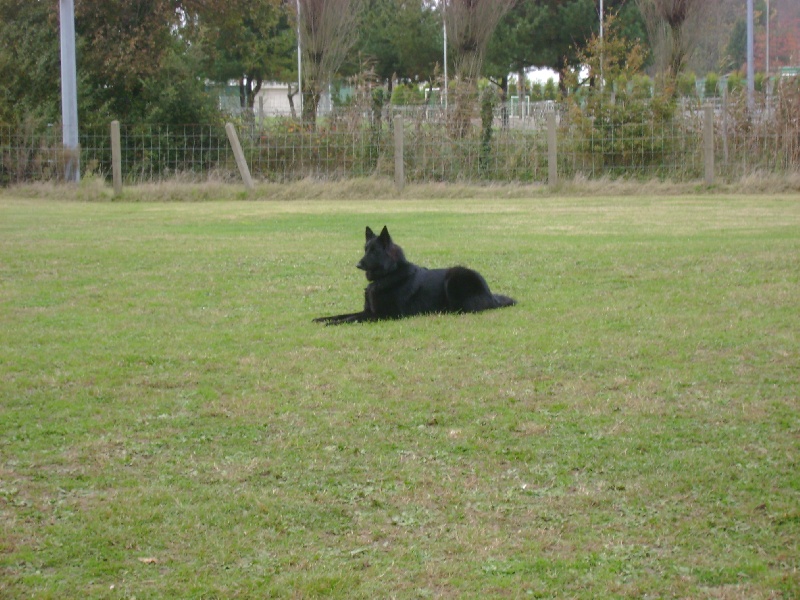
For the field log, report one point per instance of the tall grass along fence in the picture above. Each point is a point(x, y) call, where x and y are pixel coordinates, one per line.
point(419, 144)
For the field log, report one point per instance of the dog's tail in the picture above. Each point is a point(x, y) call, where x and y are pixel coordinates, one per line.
point(502, 301)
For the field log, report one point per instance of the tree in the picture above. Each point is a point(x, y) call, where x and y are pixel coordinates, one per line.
point(618, 121)
point(736, 49)
point(124, 43)
point(614, 57)
point(131, 58)
point(283, 64)
point(242, 41)
point(550, 34)
point(515, 47)
point(470, 24)
point(327, 32)
point(135, 63)
point(402, 38)
point(784, 44)
point(674, 27)
point(29, 61)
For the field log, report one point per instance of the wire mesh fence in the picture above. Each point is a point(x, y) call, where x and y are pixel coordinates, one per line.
point(764, 138)
point(612, 143)
point(640, 148)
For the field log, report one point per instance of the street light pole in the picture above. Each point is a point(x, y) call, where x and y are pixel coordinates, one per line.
point(767, 62)
point(299, 64)
point(601, 44)
point(444, 26)
point(69, 93)
point(601, 19)
point(750, 66)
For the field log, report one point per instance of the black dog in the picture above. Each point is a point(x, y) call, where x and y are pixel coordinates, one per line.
point(398, 288)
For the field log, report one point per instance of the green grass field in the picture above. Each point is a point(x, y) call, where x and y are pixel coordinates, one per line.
point(173, 425)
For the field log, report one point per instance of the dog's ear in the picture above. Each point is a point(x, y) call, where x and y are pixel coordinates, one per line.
point(386, 239)
point(370, 234)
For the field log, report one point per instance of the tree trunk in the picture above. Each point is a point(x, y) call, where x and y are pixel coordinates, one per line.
point(311, 99)
point(677, 54)
point(504, 101)
point(290, 95)
point(466, 94)
point(251, 100)
point(562, 78)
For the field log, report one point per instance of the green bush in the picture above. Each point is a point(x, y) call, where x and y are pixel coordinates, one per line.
point(550, 91)
point(406, 94)
point(736, 82)
point(711, 88)
point(760, 82)
point(641, 87)
point(687, 84)
point(632, 135)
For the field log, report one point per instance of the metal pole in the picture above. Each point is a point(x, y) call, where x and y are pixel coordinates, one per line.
point(601, 19)
point(299, 62)
point(767, 61)
point(444, 26)
point(750, 66)
point(601, 44)
point(69, 93)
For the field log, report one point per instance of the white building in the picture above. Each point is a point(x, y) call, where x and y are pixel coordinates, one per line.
point(272, 100)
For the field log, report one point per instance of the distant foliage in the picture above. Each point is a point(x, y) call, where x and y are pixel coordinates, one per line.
point(712, 85)
point(687, 84)
point(616, 123)
point(405, 94)
point(736, 81)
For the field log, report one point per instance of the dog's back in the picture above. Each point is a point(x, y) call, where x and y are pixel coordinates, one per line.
point(398, 288)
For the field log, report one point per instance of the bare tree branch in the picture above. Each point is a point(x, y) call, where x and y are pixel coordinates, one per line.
point(674, 27)
point(470, 24)
point(327, 32)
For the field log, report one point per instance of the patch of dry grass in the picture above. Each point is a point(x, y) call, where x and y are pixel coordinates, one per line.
point(180, 189)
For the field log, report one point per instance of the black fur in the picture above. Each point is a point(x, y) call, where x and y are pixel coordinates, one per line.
point(398, 288)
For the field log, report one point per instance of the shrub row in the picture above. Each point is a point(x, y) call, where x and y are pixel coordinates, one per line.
point(623, 134)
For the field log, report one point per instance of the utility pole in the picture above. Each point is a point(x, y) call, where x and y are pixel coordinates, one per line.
point(601, 19)
point(299, 63)
point(444, 26)
point(69, 93)
point(750, 66)
point(767, 62)
point(601, 44)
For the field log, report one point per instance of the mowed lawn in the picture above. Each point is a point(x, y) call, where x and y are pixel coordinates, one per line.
point(173, 425)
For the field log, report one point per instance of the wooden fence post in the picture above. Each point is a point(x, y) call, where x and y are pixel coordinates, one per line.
point(116, 158)
point(399, 169)
point(708, 143)
point(552, 150)
point(244, 170)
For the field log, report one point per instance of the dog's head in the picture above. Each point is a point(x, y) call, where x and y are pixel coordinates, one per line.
point(381, 255)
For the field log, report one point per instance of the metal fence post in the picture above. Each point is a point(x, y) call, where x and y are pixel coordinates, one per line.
point(708, 143)
point(244, 170)
point(116, 158)
point(552, 150)
point(399, 171)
